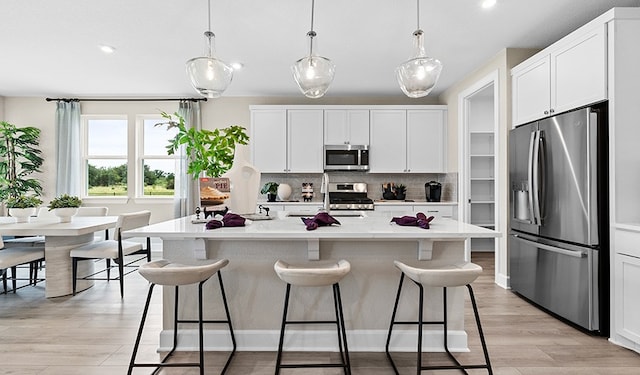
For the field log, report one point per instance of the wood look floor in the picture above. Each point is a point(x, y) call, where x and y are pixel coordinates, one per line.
point(93, 334)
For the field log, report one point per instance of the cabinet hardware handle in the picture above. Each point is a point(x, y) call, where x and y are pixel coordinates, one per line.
point(552, 110)
point(546, 112)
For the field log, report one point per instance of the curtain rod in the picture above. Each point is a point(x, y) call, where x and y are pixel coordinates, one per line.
point(123, 100)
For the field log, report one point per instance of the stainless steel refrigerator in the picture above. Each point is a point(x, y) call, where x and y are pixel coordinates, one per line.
point(558, 239)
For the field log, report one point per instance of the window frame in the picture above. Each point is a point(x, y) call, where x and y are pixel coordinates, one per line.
point(141, 157)
point(84, 177)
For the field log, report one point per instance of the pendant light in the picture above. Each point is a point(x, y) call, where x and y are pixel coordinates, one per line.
point(313, 73)
point(418, 75)
point(209, 75)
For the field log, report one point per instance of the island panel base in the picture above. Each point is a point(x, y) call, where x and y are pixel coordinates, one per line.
point(256, 294)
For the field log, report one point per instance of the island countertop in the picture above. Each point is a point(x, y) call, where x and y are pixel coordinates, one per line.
point(372, 225)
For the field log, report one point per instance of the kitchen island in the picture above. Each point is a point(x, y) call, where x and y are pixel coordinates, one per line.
point(255, 293)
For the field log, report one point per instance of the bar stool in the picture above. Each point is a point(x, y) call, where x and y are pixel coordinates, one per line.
point(461, 274)
point(163, 272)
point(315, 277)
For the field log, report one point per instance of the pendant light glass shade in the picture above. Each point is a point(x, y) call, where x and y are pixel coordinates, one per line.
point(418, 75)
point(209, 75)
point(313, 73)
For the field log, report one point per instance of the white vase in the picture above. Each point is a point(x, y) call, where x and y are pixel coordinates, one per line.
point(284, 192)
point(65, 214)
point(22, 215)
point(245, 183)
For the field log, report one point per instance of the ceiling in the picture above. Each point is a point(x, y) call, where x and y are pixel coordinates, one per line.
point(50, 47)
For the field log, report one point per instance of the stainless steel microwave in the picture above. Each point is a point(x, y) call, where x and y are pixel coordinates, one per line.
point(346, 157)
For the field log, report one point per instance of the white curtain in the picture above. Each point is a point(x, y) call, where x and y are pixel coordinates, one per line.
point(186, 189)
point(68, 148)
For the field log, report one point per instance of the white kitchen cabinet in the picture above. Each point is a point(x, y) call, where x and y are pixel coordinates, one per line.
point(426, 141)
point(388, 141)
point(346, 126)
point(627, 285)
point(568, 74)
point(428, 209)
point(304, 141)
point(286, 141)
point(410, 141)
point(269, 140)
point(626, 278)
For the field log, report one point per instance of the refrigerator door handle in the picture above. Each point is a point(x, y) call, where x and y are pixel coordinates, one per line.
point(530, 185)
point(571, 253)
point(534, 177)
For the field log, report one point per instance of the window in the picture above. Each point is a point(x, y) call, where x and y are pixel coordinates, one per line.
point(105, 155)
point(124, 159)
point(158, 168)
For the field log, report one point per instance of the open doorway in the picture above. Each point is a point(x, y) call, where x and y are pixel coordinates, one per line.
point(478, 129)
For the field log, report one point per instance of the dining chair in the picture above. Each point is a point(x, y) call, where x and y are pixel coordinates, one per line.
point(115, 249)
point(12, 257)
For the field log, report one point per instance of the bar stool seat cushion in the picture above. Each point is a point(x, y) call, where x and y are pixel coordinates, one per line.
point(312, 275)
point(12, 257)
point(451, 275)
point(163, 272)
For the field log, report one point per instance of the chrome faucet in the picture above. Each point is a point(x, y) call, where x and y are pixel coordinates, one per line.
point(324, 189)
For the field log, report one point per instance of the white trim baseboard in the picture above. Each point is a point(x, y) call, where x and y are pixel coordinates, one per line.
point(322, 340)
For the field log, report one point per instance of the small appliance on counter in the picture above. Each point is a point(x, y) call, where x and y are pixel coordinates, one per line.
point(433, 191)
point(349, 196)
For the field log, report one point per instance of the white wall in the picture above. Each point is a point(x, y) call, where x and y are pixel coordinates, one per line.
point(503, 62)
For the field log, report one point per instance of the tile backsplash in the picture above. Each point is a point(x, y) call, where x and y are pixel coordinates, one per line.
point(413, 182)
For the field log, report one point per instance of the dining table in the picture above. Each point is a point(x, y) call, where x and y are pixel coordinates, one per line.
point(59, 240)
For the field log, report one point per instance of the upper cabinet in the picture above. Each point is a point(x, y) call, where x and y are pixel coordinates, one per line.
point(269, 140)
point(346, 126)
point(408, 140)
point(286, 141)
point(304, 141)
point(569, 74)
point(291, 139)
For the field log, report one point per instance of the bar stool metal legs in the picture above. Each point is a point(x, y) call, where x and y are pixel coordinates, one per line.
point(340, 327)
point(420, 322)
point(176, 321)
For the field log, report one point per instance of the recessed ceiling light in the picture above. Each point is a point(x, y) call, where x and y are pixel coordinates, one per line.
point(486, 4)
point(107, 49)
point(237, 65)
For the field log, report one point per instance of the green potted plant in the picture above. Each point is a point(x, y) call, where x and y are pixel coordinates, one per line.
point(271, 189)
point(19, 158)
point(208, 151)
point(23, 207)
point(65, 206)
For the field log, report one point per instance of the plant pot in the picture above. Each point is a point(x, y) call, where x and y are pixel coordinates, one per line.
point(400, 196)
point(65, 214)
point(271, 197)
point(22, 215)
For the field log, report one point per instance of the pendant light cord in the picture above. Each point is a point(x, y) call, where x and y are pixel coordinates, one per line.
point(418, 14)
point(311, 33)
point(209, 14)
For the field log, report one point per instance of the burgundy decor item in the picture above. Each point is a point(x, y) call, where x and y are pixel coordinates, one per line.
point(319, 220)
point(420, 220)
point(228, 220)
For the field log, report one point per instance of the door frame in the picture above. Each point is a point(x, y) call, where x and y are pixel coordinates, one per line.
point(464, 99)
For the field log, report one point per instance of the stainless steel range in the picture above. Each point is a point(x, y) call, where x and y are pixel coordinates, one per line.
point(349, 196)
